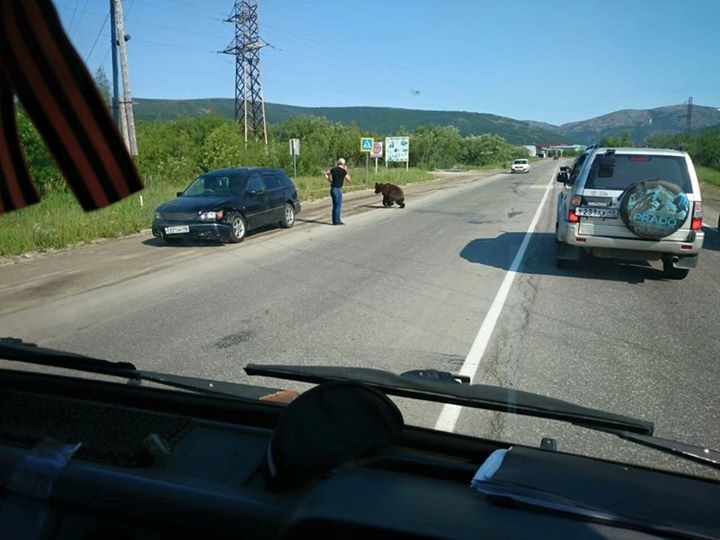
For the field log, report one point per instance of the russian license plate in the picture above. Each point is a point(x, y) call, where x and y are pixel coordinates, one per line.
point(596, 212)
point(178, 229)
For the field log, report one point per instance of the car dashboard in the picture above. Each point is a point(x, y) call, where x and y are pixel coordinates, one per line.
point(94, 459)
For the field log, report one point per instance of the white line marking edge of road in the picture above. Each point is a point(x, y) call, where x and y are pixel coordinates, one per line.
point(450, 413)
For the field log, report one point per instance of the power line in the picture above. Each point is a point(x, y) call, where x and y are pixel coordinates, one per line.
point(82, 11)
point(72, 19)
point(217, 17)
point(97, 37)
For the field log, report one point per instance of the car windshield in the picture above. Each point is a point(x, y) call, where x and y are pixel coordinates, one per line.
point(210, 185)
point(623, 170)
point(193, 186)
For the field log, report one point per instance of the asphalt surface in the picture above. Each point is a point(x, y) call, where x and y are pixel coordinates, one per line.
point(407, 289)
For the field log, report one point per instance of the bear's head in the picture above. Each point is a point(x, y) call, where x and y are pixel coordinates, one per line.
point(379, 187)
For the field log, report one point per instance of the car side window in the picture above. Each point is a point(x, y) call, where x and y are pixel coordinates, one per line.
point(284, 179)
point(271, 181)
point(255, 184)
point(576, 168)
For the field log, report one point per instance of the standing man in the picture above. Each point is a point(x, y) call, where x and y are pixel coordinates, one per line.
point(337, 176)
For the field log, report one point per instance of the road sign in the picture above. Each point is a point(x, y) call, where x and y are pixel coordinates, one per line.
point(366, 144)
point(294, 147)
point(397, 149)
point(377, 150)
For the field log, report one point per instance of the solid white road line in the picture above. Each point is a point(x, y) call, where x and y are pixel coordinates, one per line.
point(450, 413)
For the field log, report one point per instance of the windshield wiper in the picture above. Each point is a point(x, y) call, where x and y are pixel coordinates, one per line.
point(18, 351)
point(443, 387)
point(431, 385)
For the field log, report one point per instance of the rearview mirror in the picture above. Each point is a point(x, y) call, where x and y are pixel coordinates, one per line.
point(563, 177)
point(179, 194)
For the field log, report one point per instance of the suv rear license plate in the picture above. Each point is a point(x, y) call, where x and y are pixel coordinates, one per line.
point(179, 229)
point(597, 212)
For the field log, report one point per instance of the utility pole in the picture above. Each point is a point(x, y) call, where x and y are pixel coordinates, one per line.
point(689, 115)
point(114, 53)
point(126, 111)
point(249, 103)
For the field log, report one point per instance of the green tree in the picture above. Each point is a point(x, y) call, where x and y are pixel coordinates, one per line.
point(707, 148)
point(435, 147)
point(103, 85)
point(223, 147)
point(41, 165)
point(618, 142)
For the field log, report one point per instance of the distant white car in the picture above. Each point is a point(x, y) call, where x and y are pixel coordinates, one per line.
point(520, 165)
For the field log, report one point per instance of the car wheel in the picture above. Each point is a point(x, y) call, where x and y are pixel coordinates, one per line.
point(238, 228)
point(288, 216)
point(670, 272)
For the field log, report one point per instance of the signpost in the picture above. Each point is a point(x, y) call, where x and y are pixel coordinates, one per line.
point(366, 146)
point(294, 152)
point(397, 149)
point(377, 152)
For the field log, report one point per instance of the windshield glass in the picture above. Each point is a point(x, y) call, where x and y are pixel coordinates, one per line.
point(358, 201)
point(210, 185)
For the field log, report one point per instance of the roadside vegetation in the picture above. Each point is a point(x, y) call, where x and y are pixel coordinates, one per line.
point(172, 154)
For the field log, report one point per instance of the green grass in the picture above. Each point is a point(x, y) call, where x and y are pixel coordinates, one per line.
point(58, 221)
point(708, 176)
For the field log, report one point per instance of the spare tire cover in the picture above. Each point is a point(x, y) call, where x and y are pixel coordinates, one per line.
point(654, 209)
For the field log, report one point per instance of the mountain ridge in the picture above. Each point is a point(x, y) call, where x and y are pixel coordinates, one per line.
point(640, 123)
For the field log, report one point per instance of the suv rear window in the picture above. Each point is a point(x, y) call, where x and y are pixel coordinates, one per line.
point(631, 168)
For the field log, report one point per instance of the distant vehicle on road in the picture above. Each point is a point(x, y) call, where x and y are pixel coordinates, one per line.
point(636, 204)
point(224, 204)
point(520, 165)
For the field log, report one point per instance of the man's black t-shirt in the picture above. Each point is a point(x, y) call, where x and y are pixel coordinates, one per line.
point(338, 175)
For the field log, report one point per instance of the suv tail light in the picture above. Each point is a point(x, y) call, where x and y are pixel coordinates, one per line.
point(575, 201)
point(697, 220)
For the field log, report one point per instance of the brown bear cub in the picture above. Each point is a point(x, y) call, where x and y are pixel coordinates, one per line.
point(391, 194)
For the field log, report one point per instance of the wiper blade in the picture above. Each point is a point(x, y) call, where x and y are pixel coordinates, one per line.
point(441, 387)
point(699, 454)
point(16, 350)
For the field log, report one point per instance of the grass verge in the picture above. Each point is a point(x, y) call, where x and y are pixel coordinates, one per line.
point(58, 221)
point(708, 176)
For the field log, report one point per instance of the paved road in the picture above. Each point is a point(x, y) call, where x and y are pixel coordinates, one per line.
point(404, 289)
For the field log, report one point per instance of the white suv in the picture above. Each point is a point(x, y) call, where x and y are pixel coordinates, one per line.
point(520, 165)
point(631, 204)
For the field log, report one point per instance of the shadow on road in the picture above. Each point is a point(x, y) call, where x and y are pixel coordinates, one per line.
point(178, 243)
point(712, 239)
point(500, 251)
point(195, 242)
point(314, 221)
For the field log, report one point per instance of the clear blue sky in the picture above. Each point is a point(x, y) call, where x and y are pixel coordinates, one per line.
point(555, 61)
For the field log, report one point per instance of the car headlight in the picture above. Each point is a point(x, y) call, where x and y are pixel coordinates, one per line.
point(158, 215)
point(211, 216)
